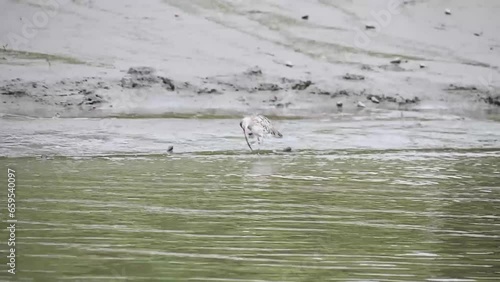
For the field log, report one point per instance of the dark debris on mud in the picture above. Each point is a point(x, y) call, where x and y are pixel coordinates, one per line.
point(253, 80)
point(454, 87)
point(349, 76)
point(141, 77)
point(89, 93)
point(493, 100)
point(66, 93)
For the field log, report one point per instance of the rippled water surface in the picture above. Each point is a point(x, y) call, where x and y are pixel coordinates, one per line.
point(356, 200)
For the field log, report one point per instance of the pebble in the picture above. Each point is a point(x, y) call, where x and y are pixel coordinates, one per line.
point(396, 61)
point(374, 99)
point(447, 11)
point(287, 149)
point(170, 149)
point(361, 105)
point(306, 17)
point(289, 64)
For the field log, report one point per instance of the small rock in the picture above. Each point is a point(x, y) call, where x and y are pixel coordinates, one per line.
point(288, 64)
point(374, 99)
point(306, 17)
point(369, 26)
point(478, 33)
point(339, 104)
point(170, 149)
point(396, 61)
point(176, 15)
point(447, 11)
point(361, 105)
point(287, 149)
point(422, 65)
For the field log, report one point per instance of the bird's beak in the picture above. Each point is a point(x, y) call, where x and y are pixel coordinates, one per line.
point(246, 139)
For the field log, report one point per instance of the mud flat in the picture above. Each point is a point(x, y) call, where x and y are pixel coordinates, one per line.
point(83, 58)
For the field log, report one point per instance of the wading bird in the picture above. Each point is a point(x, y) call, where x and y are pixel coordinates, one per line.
point(258, 126)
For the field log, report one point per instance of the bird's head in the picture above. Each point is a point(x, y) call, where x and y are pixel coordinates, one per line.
point(244, 125)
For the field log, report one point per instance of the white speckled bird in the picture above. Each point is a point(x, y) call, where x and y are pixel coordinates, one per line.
point(258, 126)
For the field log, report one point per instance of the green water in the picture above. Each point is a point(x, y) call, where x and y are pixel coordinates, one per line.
point(398, 215)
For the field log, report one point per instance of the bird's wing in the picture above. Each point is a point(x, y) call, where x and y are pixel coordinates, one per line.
point(266, 126)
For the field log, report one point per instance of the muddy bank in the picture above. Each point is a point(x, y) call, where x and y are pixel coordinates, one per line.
point(252, 88)
point(229, 57)
point(97, 96)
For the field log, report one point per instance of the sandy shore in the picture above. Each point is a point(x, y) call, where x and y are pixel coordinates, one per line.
point(102, 58)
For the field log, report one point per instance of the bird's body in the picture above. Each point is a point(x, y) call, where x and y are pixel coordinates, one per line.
point(258, 126)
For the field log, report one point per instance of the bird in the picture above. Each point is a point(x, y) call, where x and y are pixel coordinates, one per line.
point(258, 126)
